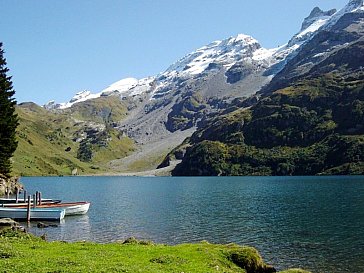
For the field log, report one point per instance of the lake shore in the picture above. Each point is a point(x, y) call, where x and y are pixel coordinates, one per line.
point(166, 171)
point(23, 252)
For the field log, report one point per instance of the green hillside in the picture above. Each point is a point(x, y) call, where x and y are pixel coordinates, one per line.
point(54, 143)
point(315, 126)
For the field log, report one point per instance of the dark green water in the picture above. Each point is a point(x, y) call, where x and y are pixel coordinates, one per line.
point(316, 223)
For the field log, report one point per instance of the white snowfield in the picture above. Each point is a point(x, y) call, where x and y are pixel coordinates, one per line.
point(125, 87)
point(79, 97)
point(223, 53)
point(314, 26)
point(129, 86)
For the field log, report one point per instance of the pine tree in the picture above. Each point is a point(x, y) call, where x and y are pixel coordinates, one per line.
point(8, 118)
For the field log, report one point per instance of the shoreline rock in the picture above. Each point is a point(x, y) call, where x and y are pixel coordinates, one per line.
point(9, 185)
point(8, 223)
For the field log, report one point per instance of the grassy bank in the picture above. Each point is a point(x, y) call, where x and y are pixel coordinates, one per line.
point(21, 252)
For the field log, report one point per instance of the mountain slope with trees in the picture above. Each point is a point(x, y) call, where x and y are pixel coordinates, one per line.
point(79, 139)
point(308, 121)
point(314, 127)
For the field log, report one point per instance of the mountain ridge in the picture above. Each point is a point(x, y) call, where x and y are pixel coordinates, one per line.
point(225, 52)
point(231, 68)
point(215, 80)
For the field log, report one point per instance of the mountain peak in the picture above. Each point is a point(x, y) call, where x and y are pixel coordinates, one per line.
point(315, 15)
point(245, 39)
point(311, 24)
point(225, 52)
point(356, 3)
point(122, 85)
point(353, 6)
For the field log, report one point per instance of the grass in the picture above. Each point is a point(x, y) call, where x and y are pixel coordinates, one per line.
point(98, 110)
point(148, 162)
point(48, 146)
point(21, 252)
point(118, 147)
point(43, 138)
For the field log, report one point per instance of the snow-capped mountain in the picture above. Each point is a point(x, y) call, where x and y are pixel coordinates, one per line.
point(336, 33)
point(311, 24)
point(217, 56)
point(231, 68)
point(225, 52)
point(158, 113)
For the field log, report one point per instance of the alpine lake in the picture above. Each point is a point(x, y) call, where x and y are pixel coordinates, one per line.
point(315, 223)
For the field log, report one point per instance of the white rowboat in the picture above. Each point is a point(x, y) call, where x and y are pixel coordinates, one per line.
point(72, 208)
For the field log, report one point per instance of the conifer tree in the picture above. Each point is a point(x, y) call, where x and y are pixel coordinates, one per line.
point(8, 118)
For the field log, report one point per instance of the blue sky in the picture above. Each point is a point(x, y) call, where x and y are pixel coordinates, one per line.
point(57, 48)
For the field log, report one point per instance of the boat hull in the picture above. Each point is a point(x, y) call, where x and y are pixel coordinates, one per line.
point(35, 214)
point(74, 208)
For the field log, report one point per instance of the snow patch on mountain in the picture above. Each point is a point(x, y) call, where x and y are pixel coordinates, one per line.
point(314, 26)
point(129, 87)
point(226, 52)
point(122, 85)
point(218, 54)
point(79, 97)
point(264, 54)
point(311, 25)
point(316, 15)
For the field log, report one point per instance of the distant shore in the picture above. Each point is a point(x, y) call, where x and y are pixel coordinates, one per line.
point(156, 172)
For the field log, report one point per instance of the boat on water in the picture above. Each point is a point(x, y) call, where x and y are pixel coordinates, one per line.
point(71, 208)
point(54, 214)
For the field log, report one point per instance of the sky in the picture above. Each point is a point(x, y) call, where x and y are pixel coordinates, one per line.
point(56, 48)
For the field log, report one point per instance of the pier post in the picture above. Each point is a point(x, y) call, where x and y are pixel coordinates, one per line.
point(25, 196)
point(17, 195)
point(28, 209)
point(40, 198)
point(36, 198)
point(34, 203)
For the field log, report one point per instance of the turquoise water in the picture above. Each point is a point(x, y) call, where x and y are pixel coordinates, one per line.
point(316, 223)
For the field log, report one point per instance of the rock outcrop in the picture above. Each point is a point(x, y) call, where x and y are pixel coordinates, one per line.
point(9, 185)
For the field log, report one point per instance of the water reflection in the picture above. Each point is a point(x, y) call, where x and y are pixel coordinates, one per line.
point(72, 228)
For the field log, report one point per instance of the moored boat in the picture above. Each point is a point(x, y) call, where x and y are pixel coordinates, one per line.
point(21, 201)
point(55, 214)
point(71, 208)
